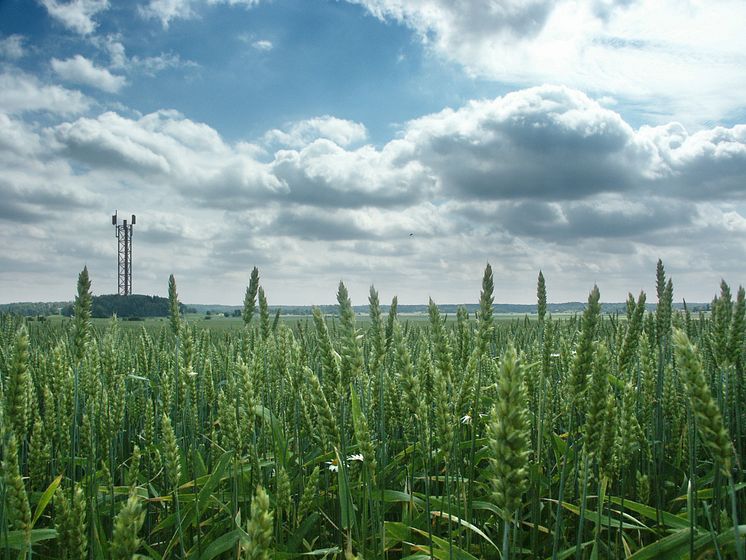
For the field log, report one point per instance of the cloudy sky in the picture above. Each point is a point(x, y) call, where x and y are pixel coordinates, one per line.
point(401, 143)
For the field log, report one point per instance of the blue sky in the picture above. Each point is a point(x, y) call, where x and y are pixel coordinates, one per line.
point(311, 138)
point(244, 71)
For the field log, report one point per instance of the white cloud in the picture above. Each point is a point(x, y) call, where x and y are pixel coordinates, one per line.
point(187, 157)
point(113, 45)
point(17, 137)
point(80, 70)
point(603, 217)
point(169, 10)
point(90, 142)
point(548, 144)
point(20, 92)
point(733, 221)
point(262, 45)
point(149, 65)
point(707, 164)
point(245, 3)
point(76, 15)
point(685, 58)
point(152, 65)
point(326, 175)
point(33, 184)
point(540, 178)
point(490, 149)
point(554, 143)
point(340, 131)
point(11, 47)
point(504, 18)
point(194, 161)
point(387, 225)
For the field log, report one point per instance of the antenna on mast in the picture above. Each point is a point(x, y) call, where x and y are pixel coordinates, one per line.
point(123, 233)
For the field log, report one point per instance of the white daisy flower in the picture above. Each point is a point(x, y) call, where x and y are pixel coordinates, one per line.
point(356, 457)
point(332, 465)
point(466, 419)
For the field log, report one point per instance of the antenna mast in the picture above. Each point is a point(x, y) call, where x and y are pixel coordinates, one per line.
point(123, 233)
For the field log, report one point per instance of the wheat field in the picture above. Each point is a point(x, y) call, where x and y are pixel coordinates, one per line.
point(593, 436)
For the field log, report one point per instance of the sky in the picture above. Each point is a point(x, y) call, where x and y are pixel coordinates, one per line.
point(396, 143)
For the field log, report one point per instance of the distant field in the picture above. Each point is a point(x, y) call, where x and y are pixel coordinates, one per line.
point(218, 322)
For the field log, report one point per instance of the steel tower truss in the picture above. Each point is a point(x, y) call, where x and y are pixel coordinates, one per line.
point(124, 246)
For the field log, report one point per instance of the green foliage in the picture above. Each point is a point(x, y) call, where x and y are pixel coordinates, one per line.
point(352, 367)
point(508, 437)
point(82, 316)
point(259, 528)
point(134, 305)
point(170, 453)
point(389, 437)
point(19, 386)
point(584, 353)
point(264, 327)
point(70, 521)
point(18, 510)
point(541, 297)
point(709, 418)
point(127, 524)
point(632, 336)
point(249, 300)
point(173, 306)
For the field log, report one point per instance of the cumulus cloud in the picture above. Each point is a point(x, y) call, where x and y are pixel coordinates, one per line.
point(194, 157)
point(545, 142)
point(80, 70)
point(544, 177)
point(76, 15)
point(325, 174)
point(554, 143)
point(100, 142)
point(21, 92)
point(34, 186)
point(340, 131)
point(190, 157)
point(704, 165)
point(696, 54)
point(160, 142)
point(11, 47)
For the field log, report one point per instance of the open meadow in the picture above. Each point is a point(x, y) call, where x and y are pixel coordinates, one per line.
point(583, 436)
